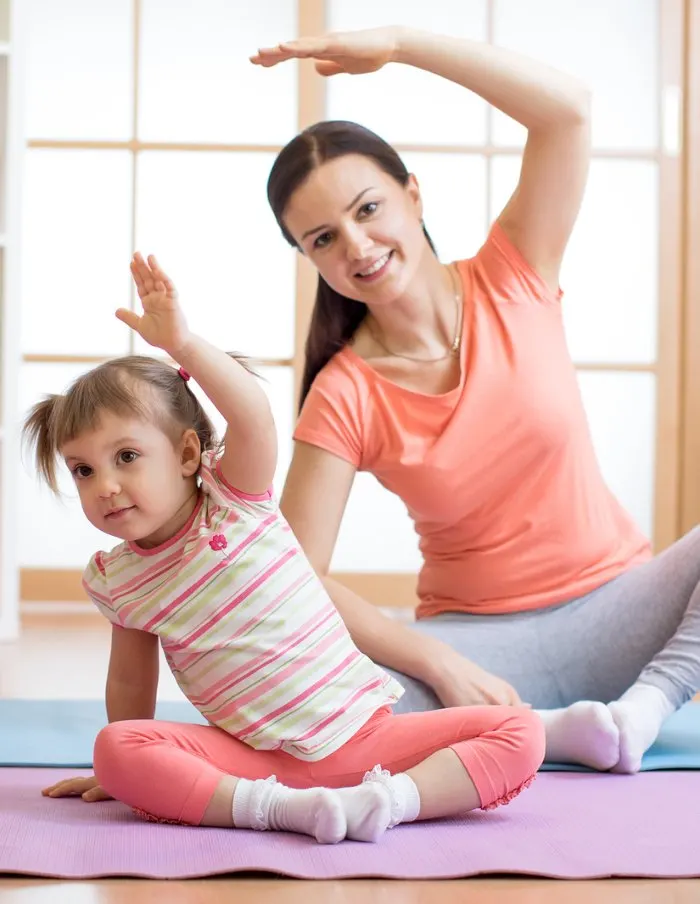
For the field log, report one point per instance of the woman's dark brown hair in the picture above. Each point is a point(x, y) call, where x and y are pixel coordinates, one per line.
point(335, 317)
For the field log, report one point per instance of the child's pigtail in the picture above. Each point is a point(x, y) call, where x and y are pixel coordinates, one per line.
point(39, 433)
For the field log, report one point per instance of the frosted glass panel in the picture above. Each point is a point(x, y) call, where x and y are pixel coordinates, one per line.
point(453, 188)
point(612, 45)
point(376, 533)
point(278, 383)
point(205, 217)
point(76, 250)
point(196, 81)
point(53, 533)
point(79, 69)
point(621, 410)
point(400, 103)
point(610, 270)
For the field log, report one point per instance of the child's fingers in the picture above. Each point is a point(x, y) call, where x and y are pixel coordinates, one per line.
point(68, 787)
point(138, 278)
point(95, 794)
point(160, 275)
point(140, 269)
point(130, 318)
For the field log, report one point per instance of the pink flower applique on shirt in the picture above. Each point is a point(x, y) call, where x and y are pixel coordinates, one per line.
point(218, 542)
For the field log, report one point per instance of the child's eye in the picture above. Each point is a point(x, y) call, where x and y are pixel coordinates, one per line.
point(369, 208)
point(81, 472)
point(128, 456)
point(321, 241)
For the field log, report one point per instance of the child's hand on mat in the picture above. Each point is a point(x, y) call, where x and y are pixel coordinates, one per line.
point(463, 683)
point(354, 52)
point(162, 323)
point(86, 787)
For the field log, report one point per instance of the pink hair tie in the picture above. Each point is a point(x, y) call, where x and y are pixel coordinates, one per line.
point(183, 373)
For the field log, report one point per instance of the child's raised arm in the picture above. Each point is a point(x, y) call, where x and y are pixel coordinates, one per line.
point(250, 454)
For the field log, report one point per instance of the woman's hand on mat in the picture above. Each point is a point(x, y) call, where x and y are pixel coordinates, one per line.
point(462, 683)
point(86, 787)
point(162, 323)
point(353, 52)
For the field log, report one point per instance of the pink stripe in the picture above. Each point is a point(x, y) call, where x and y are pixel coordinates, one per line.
point(100, 597)
point(319, 726)
point(243, 595)
point(268, 717)
point(142, 580)
point(187, 661)
point(189, 591)
point(264, 661)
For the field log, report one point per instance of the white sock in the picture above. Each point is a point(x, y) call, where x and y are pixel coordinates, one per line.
point(379, 803)
point(265, 804)
point(584, 733)
point(639, 714)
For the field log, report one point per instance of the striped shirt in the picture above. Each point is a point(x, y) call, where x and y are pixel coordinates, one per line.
point(246, 626)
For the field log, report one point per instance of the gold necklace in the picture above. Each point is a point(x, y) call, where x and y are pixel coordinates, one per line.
point(453, 350)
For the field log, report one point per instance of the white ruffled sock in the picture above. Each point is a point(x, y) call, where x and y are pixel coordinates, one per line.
point(381, 802)
point(266, 804)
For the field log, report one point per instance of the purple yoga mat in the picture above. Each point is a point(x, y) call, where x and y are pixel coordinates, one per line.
point(567, 825)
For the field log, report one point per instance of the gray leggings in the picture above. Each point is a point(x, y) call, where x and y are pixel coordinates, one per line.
point(643, 624)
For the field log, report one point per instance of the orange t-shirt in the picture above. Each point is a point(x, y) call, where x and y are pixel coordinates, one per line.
point(499, 474)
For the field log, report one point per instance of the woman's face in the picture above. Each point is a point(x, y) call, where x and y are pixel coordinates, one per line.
point(359, 227)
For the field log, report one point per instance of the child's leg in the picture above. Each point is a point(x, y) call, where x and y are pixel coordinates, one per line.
point(199, 775)
point(436, 764)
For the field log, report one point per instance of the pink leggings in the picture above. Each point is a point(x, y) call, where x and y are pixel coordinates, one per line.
point(169, 771)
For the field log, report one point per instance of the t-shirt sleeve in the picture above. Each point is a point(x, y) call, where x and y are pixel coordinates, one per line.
point(95, 585)
point(332, 415)
point(504, 273)
point(215, 484)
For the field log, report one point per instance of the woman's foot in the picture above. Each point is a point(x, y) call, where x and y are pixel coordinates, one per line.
point(639, 714)
point(584, 733)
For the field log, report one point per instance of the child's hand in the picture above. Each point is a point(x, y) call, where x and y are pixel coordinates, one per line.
point(87, 787)
point(162, 323)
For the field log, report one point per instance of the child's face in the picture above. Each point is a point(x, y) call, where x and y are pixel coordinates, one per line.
point(133, 482)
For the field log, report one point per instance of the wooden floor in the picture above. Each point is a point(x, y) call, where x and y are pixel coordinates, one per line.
point(66, 657)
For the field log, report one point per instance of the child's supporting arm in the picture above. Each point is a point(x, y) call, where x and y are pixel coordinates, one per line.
point(132, 684)
point(132, 677)
point(250, 454)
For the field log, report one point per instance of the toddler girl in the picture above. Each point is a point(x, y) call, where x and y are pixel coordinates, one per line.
point(300, 735)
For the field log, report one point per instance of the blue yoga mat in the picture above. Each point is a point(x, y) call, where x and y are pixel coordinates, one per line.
point(56, 733)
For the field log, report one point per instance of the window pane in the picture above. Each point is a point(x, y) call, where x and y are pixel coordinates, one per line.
point(612, 45)
point(76, 250)
point(453, 189)
point(610, 270)
point(376, 533)
point(400, 103)
point(205, 216)
point(79, 69)
point(621, 410)
point(196, 81)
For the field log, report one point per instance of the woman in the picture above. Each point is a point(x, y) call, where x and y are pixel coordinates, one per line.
point(453, 385)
